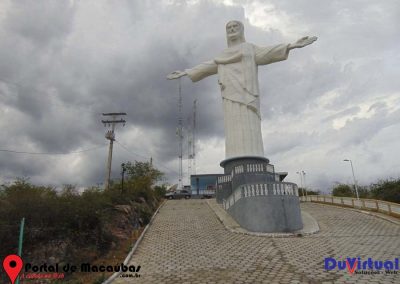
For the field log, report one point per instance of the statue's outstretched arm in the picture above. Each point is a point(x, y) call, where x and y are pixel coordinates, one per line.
point(304, 41)
point(196, 73)
point(176, 75)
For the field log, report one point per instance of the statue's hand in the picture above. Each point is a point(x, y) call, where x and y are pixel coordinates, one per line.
point(304, 41)
point(176, 75)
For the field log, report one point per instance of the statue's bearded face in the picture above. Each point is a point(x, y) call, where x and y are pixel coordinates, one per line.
point(234, 30)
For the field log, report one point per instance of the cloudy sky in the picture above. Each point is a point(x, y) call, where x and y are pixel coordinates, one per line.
point(64, 63)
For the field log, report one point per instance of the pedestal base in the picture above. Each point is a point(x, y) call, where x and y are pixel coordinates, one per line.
point(252, 193)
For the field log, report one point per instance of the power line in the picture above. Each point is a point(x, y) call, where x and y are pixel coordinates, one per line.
point(145, 158)
point(47, 153)
point(133, 153)
point(38, 99)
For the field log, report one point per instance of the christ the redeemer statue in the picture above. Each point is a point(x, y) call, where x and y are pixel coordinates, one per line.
point(237, 76)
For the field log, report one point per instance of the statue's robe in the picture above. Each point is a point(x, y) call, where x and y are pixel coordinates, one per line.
point(238, 78)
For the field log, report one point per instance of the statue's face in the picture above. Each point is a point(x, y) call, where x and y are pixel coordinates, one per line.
point(233, 30)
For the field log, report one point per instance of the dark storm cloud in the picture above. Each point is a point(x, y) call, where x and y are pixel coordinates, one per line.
point(66, 70)
point(138, 82)
point(66, 62)
point(40, 21)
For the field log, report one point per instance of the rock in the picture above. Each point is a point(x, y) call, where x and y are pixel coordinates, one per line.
point(123, 208)
point(52, 260)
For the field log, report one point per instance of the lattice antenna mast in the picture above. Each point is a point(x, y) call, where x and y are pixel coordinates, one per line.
point(191, 144)
point(190, 153)
point(180, 133)
point(194, 137)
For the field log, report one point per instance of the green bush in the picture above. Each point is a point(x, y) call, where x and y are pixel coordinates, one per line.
point(81, 221)
point(160, 191)
point(342, 190)
point(388, 190)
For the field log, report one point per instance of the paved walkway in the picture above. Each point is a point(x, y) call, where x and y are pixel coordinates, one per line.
point(187, 244)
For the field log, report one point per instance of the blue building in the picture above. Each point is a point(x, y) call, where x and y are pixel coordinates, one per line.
point(204, 184)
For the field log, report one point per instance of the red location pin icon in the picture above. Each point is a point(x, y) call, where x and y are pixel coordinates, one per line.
point(12, 265)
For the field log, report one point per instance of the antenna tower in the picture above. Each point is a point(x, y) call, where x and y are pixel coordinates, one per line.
point(179, 133)
point(194, 137)
point(192, 144)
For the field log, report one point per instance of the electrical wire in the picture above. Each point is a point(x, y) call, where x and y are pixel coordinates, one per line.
point(146, 158)
point(57, 105)
point(133, 153)
point(47, 153)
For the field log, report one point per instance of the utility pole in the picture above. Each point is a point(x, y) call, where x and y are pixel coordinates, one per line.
point(110, 135)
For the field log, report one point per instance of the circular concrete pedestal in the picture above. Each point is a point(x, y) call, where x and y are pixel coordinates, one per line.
point(252, 193)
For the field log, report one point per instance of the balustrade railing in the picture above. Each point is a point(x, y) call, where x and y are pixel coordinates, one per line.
point(389, 208)
point(260, 189)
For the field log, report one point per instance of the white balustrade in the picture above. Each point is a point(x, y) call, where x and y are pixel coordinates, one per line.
point(385, 207)
point(258, 189)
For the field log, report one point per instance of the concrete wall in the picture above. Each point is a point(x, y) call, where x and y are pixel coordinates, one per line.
point(224, 192)
point(229, 164)
point(232, 180)
point(268, 214)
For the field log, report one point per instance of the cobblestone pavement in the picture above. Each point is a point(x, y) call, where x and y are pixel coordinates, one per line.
point(187, 244)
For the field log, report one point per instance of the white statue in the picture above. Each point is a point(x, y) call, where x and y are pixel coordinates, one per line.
point(237, 76)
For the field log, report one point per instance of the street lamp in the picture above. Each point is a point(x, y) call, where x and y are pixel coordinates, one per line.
point(354, 177)
point(301, 181)
point(304, 179)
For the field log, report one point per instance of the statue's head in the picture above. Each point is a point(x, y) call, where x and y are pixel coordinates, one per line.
point(234, 32)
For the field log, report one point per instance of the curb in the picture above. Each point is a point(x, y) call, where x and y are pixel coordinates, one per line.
point(239, 230)
point(138, 241)
point(376, 215)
